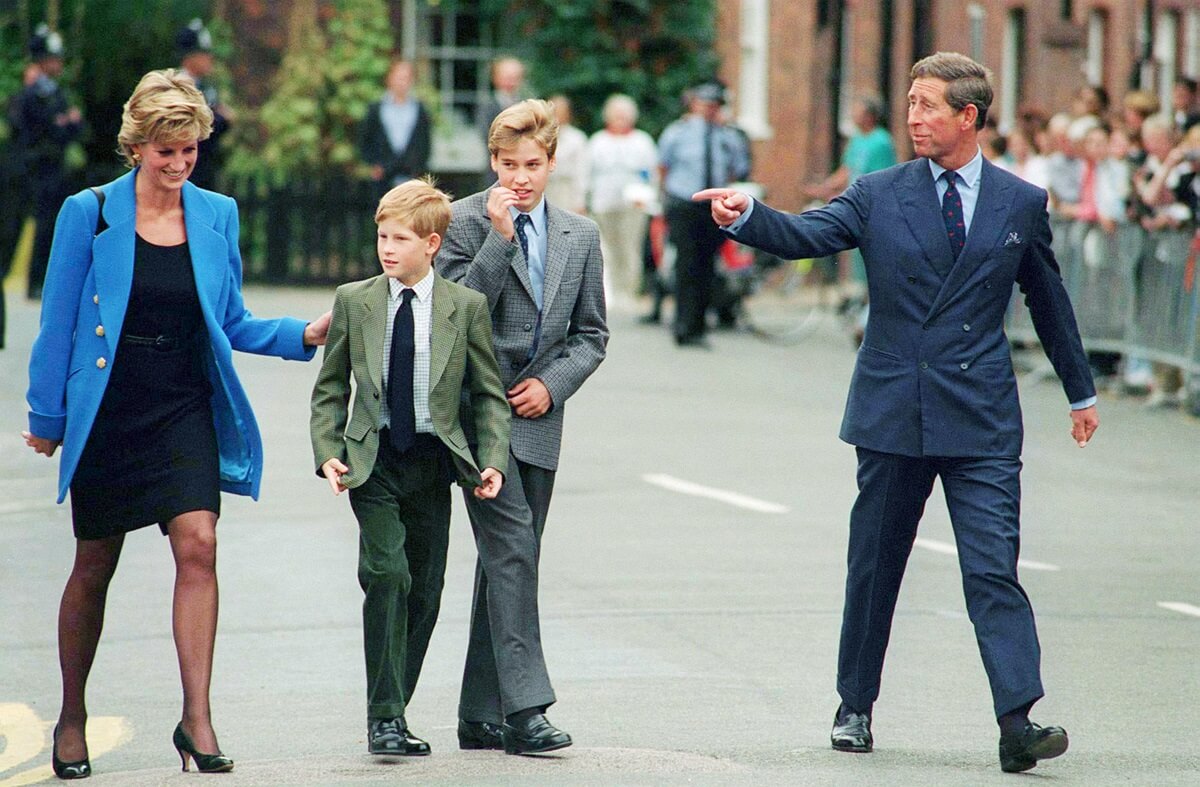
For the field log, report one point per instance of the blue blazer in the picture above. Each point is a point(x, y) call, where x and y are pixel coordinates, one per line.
point(934, 375)
point(83, 308)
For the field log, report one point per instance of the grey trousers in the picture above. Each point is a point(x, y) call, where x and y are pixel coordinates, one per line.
point(505, 670)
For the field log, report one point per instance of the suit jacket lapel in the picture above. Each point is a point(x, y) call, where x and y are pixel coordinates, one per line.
point(519, 264)
point(112, 257)
point(558, 238)
point(991, 211)
point(922, 211)
point(374, 328)
point(445, 333)
point(208, 248)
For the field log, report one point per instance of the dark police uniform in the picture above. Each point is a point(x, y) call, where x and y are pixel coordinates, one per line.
point(196, 38)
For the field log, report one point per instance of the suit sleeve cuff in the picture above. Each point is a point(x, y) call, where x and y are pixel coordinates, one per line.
point(1084, 404)
point(733, 228)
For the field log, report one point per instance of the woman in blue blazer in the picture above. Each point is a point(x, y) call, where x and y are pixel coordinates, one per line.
point(132, 374)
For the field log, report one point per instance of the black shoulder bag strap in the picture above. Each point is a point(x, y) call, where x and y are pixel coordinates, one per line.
point(101, 224)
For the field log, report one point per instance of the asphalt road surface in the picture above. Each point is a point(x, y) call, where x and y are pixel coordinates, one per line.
point(691, 594)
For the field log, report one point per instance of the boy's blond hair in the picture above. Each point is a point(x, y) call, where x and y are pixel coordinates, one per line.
point(417, 204)
point(533, 119)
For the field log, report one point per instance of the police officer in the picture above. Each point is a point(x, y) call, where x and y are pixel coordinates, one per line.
point(44, 124)
point(194, 44)
point(697, 149)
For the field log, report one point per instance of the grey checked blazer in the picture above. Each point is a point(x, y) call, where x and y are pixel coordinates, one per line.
point(574, 331)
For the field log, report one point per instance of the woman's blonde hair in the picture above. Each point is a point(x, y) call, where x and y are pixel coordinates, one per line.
point(528, 119)
point(165, 107)
point(418, 205)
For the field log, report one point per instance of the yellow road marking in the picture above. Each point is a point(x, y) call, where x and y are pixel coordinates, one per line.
point(26, 737)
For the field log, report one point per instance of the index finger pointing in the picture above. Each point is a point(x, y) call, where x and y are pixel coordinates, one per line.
point(710, 194)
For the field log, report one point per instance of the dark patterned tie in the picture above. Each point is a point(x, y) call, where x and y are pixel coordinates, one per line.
point(400, 375)
point(521, 223)
point(952, 214)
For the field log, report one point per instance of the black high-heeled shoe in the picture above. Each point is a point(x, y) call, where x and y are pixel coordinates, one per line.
point(80, 769)
point(205, 763)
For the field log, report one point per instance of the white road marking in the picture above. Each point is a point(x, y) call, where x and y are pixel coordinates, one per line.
point(949, 549)
point(1179, 606)
point(722, 495)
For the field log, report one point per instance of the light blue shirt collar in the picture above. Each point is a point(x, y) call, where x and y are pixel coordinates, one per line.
point(967, 183)
point(969, 172)
point(537, 216)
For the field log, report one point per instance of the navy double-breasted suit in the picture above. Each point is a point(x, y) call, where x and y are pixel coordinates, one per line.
point(934, 394)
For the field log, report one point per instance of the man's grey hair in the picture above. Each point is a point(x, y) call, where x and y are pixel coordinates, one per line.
point(873, 104)
point(967, 82)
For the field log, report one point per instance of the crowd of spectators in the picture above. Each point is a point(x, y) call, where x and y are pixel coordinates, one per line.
point(1115, 166)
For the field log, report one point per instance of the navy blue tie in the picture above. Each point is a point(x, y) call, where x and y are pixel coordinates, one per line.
point(520, 224)
point(403, 428)
point(952, 214)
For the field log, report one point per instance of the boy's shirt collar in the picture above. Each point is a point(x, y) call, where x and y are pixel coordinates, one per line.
point(423, 288)
point(537, 216)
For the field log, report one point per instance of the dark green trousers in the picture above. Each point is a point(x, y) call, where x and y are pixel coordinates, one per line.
point(403, 513)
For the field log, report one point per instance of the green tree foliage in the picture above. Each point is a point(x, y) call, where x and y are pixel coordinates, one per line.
point(337, 54)
point(588, 49)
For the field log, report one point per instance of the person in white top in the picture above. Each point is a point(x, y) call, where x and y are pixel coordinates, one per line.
point(621, 187)
point(567, 188)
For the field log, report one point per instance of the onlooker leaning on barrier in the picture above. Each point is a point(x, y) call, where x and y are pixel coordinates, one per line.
point(567, 188)
point(44, 124)
point(1062, 164)
point(1184, 111)
point(1025, 160)
point(624, 162)
point(1137, 106)
point(396, 133)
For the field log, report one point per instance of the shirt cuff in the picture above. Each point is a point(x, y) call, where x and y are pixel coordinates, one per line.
point(1084, 404)
point(733, 228)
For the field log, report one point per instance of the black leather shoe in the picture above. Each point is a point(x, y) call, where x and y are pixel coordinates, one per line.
point(391, 737)
point(535, 735)
point(205, 763)
point(80, 769)
point(1021, 751)
point(852, 732)
point(693, 340)
point(479, 735)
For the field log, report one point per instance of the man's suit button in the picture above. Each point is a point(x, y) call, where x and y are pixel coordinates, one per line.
point(377, 395)
point(515, 364)
point(964, 366)
point(99, 330)
point(912, 279)
point(924, 365)
point(528, 326)
point(966, 326)
point(101, 363)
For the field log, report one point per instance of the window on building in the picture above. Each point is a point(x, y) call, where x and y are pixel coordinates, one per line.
point(454, 45)
point(1166, 54)
point(1191, 65)
point(976, 17)
point(1012, 69)
point(1097, 31)
point(845, 120)
point(1066, 10)
point(753, 97)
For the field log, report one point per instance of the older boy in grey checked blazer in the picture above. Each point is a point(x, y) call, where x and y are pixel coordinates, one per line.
point(541, 270)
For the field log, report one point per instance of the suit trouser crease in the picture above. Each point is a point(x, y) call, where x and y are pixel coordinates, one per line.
point(696, 239)
point(403, 511)
point(983, 499)
point(505, 668)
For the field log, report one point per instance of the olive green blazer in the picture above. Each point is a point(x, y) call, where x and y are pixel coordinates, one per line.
point(461, 357)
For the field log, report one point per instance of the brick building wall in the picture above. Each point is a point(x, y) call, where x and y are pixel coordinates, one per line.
point(1097, 41)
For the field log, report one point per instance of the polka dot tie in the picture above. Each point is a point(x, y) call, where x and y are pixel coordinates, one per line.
point(952, 214)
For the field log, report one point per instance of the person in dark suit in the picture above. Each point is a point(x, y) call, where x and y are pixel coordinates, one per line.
point(396, 133)
point(132, 374)
point(45, 123)
point(541, 270)
point(933, 392)
point(194, 45)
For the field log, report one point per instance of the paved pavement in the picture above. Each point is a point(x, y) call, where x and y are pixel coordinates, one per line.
point(691, 639)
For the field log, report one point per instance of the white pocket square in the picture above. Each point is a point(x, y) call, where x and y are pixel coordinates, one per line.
point(1013, 239)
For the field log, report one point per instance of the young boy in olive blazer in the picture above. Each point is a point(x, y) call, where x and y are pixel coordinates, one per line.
point(412, 342)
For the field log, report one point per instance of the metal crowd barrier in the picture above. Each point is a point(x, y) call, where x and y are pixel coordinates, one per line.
point(1133, 292)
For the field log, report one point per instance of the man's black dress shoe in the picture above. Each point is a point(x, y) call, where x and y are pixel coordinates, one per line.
point(391, 737)
point(692, 340)
point(479, 735)
point(534, 735)
point(852, 732)
point(1021, 751)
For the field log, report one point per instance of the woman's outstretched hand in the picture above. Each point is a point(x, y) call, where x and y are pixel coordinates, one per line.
point(40, 444)
point(315, 331)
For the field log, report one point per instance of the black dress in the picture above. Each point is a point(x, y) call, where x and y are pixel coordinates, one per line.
point(152, 452)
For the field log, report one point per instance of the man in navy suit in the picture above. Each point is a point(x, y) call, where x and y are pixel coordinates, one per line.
point(933, 392)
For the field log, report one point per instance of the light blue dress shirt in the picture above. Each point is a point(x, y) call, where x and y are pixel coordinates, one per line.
point(681, 152)
point(399, 121)
point(535, 233)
